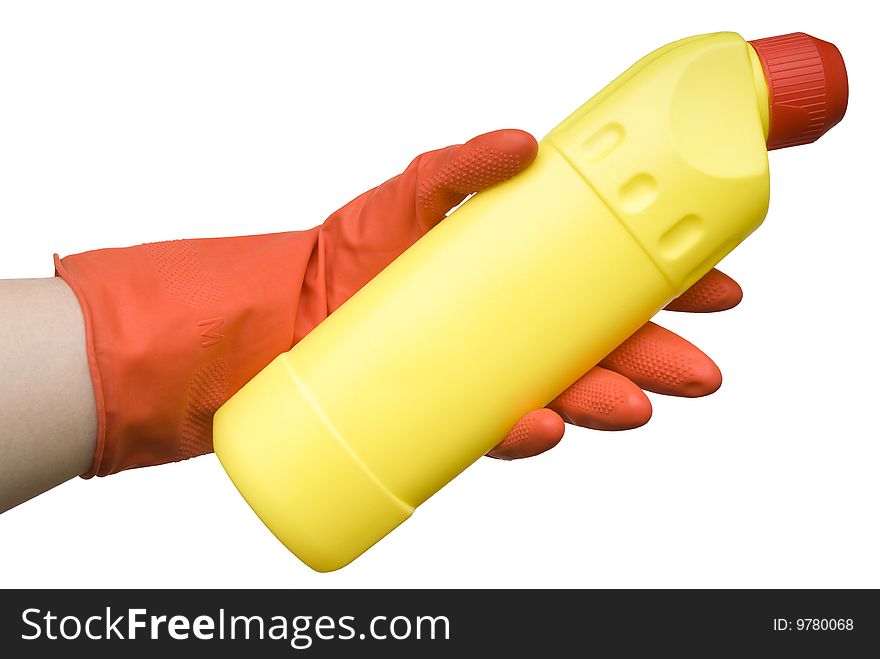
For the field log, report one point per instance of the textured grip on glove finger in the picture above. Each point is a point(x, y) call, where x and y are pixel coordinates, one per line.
point(715, 291)
point(603, 400)
point(659, 360)
point(535, 433)
point(452, 174)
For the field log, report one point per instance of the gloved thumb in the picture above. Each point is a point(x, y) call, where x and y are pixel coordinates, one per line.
point(360, 239)
point(447, 176)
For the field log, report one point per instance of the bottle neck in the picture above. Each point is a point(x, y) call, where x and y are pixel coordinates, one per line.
point(762, 91)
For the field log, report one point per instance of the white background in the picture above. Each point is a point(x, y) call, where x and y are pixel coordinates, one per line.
point(124, 122)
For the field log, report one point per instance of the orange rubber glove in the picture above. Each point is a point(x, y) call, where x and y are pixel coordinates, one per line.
point(173, 329)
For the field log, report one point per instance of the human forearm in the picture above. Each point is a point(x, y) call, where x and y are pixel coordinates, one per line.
point(47, 407)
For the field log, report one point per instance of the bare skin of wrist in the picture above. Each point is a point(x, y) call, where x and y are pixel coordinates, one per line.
point(48, 421)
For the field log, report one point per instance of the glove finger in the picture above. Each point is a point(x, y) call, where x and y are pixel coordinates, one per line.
point(660, 361)
point(603, 400)
point(715, 291)
point(447, 176)
point(535, 433)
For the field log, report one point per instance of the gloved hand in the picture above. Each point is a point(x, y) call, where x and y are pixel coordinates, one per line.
point(173, 329)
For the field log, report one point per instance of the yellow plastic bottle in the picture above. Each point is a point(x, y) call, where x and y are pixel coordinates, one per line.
point(521, 290)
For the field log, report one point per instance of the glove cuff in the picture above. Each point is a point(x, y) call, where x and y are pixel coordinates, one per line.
point(173, 329)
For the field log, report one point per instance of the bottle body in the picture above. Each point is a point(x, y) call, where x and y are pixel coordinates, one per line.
point(508, 301)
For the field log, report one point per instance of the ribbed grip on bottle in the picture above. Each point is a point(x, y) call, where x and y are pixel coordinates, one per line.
point(807, 84)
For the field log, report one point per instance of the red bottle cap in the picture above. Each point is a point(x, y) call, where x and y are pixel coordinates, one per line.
point(808, 87)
